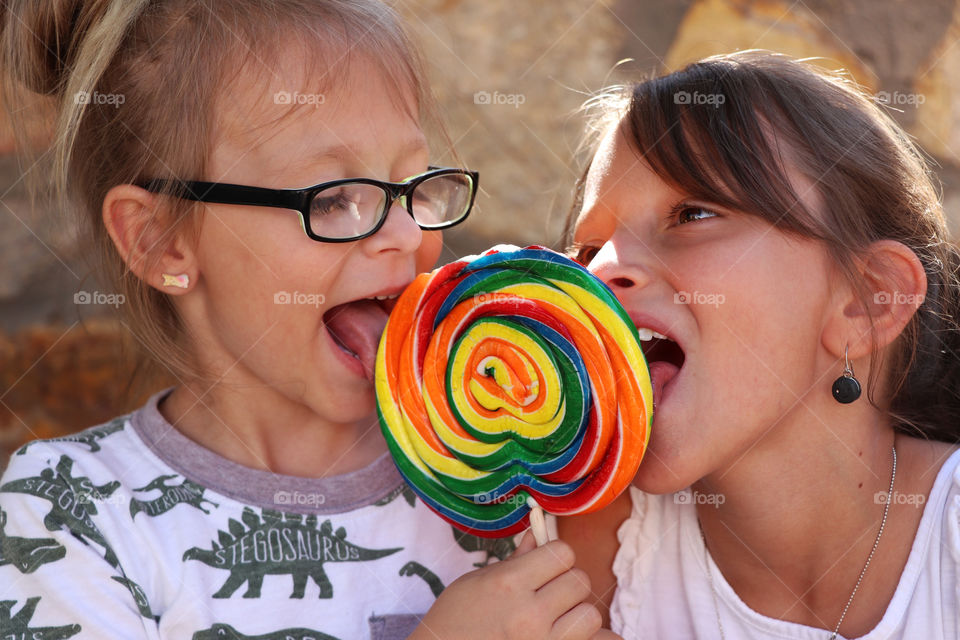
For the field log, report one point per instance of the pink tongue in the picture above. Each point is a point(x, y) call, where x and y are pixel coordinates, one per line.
point(358, 327)
point(661, 372)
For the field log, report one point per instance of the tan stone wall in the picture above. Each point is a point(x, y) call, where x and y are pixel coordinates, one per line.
point(554, 53)
point(510, 76)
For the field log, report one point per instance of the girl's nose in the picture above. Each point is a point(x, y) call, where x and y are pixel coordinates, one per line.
point(619, 269)
point(400, 232)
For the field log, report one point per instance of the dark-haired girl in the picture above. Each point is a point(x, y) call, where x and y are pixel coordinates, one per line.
point(779, 242)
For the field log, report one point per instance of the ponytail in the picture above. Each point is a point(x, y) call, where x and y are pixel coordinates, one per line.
point(164, 66)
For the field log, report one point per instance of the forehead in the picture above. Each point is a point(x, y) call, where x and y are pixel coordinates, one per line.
point(618, 171)
point(290, 113)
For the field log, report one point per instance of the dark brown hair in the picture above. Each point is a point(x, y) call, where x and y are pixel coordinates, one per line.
point(718, 128)
point(163, 65)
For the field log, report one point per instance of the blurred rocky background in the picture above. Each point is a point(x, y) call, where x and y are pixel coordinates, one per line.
point(510, 76)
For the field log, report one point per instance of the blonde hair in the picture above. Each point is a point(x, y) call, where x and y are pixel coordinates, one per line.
point(165, 63)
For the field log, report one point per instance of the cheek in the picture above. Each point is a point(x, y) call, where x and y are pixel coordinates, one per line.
point(232, 260)
point(255, 258)
point(429, 251)
point(769, 324)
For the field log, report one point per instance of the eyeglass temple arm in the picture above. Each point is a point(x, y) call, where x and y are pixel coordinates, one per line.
point(222, 193)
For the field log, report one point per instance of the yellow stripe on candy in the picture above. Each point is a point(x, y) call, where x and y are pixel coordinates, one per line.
point(455, 442)
point(610, 320)
point(530, 424)
point(408, 438)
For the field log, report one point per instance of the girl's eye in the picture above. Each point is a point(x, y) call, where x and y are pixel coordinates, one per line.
point(326, 205)
point(692, 214)
point(346, 199)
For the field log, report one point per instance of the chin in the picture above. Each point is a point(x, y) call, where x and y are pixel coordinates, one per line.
point(665, 470)
point(348, 407)
point(656, 479)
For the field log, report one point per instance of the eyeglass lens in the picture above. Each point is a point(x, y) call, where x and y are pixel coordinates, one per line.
point(350, 210)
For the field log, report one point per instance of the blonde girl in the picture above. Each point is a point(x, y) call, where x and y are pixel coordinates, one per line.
point(255, 178)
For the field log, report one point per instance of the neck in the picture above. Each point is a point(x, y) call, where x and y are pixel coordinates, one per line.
point(800, 515)
point(260, 427)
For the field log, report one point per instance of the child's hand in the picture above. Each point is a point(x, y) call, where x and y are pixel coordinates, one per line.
point(535, 594)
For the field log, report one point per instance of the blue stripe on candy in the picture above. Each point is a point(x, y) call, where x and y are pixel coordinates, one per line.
point(536, 254)
point(484, 262)
point(504, 522)
point(561, 344)
point(564, 346)
point(518, 481)
point(453, 298)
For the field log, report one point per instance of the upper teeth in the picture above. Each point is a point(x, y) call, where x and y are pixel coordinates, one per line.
point(649, 334)
point(390, 297)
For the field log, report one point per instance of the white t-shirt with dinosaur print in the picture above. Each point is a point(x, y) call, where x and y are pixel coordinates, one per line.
point(131, 530)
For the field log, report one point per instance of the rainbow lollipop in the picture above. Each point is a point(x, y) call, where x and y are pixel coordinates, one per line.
point(512, 375)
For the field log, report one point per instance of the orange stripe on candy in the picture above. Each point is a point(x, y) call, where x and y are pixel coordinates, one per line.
point(492, 346)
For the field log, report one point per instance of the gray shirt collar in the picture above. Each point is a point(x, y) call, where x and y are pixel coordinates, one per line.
point(265, 489)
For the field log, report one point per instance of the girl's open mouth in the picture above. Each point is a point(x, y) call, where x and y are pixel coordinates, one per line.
point(356, 327)
point(664, 358)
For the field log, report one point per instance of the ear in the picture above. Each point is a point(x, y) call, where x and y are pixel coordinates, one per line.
point(895, 287)
point(134, 222)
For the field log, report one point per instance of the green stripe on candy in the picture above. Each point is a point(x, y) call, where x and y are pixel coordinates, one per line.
point(532, 269)
point(519, 447)
point(424, 481)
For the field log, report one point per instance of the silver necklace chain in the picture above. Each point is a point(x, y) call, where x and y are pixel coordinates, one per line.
point(876, 543)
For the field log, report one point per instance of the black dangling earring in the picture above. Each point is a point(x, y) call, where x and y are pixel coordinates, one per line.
point(846, 388)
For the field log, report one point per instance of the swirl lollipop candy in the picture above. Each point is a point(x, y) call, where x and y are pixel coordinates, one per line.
point(509, 380)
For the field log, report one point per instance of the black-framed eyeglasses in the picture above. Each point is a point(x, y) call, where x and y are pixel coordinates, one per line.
point(349, 209)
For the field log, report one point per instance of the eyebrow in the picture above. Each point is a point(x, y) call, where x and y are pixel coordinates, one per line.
point(342, 151)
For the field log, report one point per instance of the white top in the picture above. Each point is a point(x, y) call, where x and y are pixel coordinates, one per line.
point(131, 530)
point(663, 590)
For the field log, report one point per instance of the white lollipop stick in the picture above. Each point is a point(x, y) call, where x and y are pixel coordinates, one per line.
point(538, 523)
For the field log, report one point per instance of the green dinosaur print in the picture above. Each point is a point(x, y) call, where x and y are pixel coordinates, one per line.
point(417, 569)
point(280, 543)
point(88, 437)
point(72, 501)
point(27, 554)
point(403, 490)
point(499, 548)
point(17, 627)
point(187, 492)
point(143, 605)
point(226, 632)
